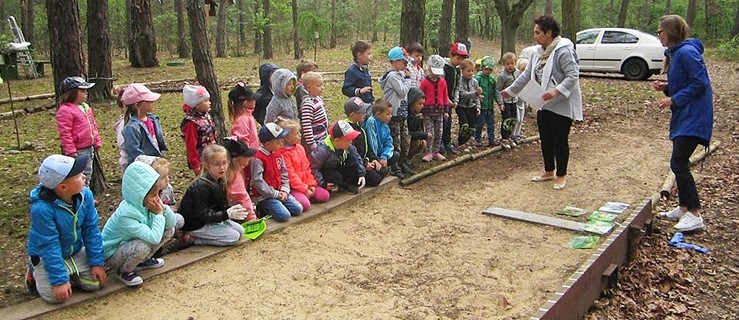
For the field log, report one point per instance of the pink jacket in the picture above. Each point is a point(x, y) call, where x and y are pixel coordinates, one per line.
point(237, 192)
point(77, 129)
point(298, 168)
point(245, 129)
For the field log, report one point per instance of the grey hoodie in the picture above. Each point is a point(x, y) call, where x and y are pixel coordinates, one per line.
point(395, 87)
point(281, 104)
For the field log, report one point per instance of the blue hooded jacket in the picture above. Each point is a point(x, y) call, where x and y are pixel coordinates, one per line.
point(58, 232)
point(379, 137)
point(690, 89)
point(132, 220)
point(138, 141)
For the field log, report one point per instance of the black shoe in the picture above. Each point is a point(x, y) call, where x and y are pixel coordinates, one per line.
point(406, 169)
point(397, 171)
point(30, 281)
point(349, 188)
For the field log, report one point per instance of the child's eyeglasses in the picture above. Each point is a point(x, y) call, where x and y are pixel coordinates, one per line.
point(220, 164)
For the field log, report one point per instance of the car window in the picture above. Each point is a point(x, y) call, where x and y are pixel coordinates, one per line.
point(587, 37)
point(610, 37)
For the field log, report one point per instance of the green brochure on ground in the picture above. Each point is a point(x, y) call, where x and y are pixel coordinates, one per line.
point(572, 211)
point(584, 242)
point(602, 216)
point(599, 227)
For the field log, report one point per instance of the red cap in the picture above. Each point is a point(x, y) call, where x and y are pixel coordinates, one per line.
point(342, 129)
point(459, 49)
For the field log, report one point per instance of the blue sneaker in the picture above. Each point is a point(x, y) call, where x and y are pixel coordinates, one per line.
point(150, 263)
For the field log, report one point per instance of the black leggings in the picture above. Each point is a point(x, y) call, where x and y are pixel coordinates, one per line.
point(682, 148)
point(509, 112)
point(554, 131)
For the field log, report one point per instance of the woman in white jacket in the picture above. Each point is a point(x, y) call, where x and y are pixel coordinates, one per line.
point(555, 68)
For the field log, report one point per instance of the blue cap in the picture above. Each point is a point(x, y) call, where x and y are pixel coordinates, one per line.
point(271, 131)
point(398, 53)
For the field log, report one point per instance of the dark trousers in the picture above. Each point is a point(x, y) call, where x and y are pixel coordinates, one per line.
point(554, 131)
point(343, 174)
point(446, 130)
point(682, 148)
point(509, 112)
point(465, 116)
point(486, 118)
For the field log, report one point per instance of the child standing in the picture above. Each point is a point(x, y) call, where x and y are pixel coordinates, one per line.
point(304, 67)
point(303, 185)
point(490, 96)
point(375, 170)
point(452, 76)
point(520, 105)
point(509, 109)
point(469, 103)
point(395, 84)
point(415, 51)
point(140, 225)
point(118, 129)
point(282, 103)
point(197, 127)
point(64, 243)
point(143, 133)
point(270, 184)
point(435, 107)
point(265, 91)
point(241, 103)
point(418, 134)
point(357, 79)
point(379, 138)
point(314, 119)
point(205, 207)
point(336, 163)
point(75, 120)
point(236, 186)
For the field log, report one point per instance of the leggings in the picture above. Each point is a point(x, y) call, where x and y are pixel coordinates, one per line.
point(682, 148)
point(554, 131)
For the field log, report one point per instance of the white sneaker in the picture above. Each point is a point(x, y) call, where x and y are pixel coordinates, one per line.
point(673, 215)
point(689, 222)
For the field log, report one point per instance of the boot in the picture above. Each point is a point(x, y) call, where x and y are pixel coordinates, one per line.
point(406, 169)
point(397, 171)
point(349, 188)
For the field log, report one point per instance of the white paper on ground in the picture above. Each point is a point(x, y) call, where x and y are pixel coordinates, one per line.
point(531, 93)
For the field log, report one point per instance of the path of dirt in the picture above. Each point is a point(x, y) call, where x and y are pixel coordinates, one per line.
point(422, 252)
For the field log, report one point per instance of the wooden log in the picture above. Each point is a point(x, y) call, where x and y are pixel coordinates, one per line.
point(669, 182)
point(28, 98)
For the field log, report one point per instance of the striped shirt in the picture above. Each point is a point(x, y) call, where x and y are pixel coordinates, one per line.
point(314, 121)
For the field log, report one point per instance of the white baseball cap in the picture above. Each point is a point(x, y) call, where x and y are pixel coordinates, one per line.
point(436, 64)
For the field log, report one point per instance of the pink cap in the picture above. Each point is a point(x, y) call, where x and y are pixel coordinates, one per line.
point(137, 92)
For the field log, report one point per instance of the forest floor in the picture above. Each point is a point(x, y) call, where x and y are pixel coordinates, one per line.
point(425, 251)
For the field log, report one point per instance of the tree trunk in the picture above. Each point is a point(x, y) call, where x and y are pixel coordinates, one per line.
point(142, 45)
point(100, 57)
point(668, 6)
point(334, 28)
point(412, 16)
point(692, 12)
point(462, 21)
point(735, 30)
point(257, 28)
point(510, 19)
point(267, 35)
point(27, 19)
point(445, 27)
point(182, 49)
point(297, 52)
point(549, 8)
point(65, 37)
point(571, 10)
point(201, 58)
point(242, 22)
point(622, 12)
point(221, 29)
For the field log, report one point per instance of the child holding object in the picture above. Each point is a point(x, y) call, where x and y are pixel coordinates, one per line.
point(236, 187)
point(64, 243)
point(241, 104)
point(357, 79)
point(208, 217)
point(75, 121)
point(303, 185)
point(270, 184)
point(395, 84)
point(509, 108)
point(140, 226)
point(469, 104)
point(336, 163)
point(197, 127)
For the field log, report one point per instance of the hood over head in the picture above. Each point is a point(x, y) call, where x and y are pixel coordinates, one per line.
point(280, 78)
point(138, 179)
point(265, 72)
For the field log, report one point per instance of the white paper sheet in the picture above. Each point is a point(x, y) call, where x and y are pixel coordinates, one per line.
point(531, 93)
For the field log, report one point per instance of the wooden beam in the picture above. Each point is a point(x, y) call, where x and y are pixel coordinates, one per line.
point(537, 218)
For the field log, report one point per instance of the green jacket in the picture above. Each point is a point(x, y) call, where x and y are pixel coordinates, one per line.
point(489, 92)
point(132, 220)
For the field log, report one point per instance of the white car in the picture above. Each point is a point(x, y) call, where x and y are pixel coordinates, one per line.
point(633, 53)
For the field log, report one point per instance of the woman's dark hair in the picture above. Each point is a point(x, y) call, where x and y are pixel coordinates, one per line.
point(547, 23)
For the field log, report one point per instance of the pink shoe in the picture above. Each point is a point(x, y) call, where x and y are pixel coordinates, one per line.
point(427, 157)
point(438, 156)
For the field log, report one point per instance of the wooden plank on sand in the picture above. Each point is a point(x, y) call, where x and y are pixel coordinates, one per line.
point(537, 218)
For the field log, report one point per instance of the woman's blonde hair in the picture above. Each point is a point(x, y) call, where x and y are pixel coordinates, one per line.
point(208, 153)
point(676, 30)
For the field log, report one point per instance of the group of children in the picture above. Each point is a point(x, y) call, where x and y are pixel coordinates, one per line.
point(282, 154)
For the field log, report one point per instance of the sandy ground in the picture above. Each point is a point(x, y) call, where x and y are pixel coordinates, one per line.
point(422, 252)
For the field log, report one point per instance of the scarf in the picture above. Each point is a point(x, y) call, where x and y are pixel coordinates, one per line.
point(544, 56)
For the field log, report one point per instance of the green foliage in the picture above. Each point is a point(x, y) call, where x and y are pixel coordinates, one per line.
point(309, 24)
point(729, 49)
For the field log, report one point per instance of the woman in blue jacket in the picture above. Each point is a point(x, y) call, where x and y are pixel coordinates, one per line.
point(690, 98)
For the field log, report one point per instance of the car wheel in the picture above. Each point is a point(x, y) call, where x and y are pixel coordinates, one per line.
point(635, 69)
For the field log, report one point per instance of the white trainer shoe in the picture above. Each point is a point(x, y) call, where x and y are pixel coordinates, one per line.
point(673, 215)
point(689, 222)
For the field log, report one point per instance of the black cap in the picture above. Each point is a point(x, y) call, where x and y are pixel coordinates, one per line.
point(241, 92)
point(237, 148)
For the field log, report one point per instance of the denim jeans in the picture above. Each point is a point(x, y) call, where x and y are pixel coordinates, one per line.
point(486, 118)
point(280, 211)
point(682, 148)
